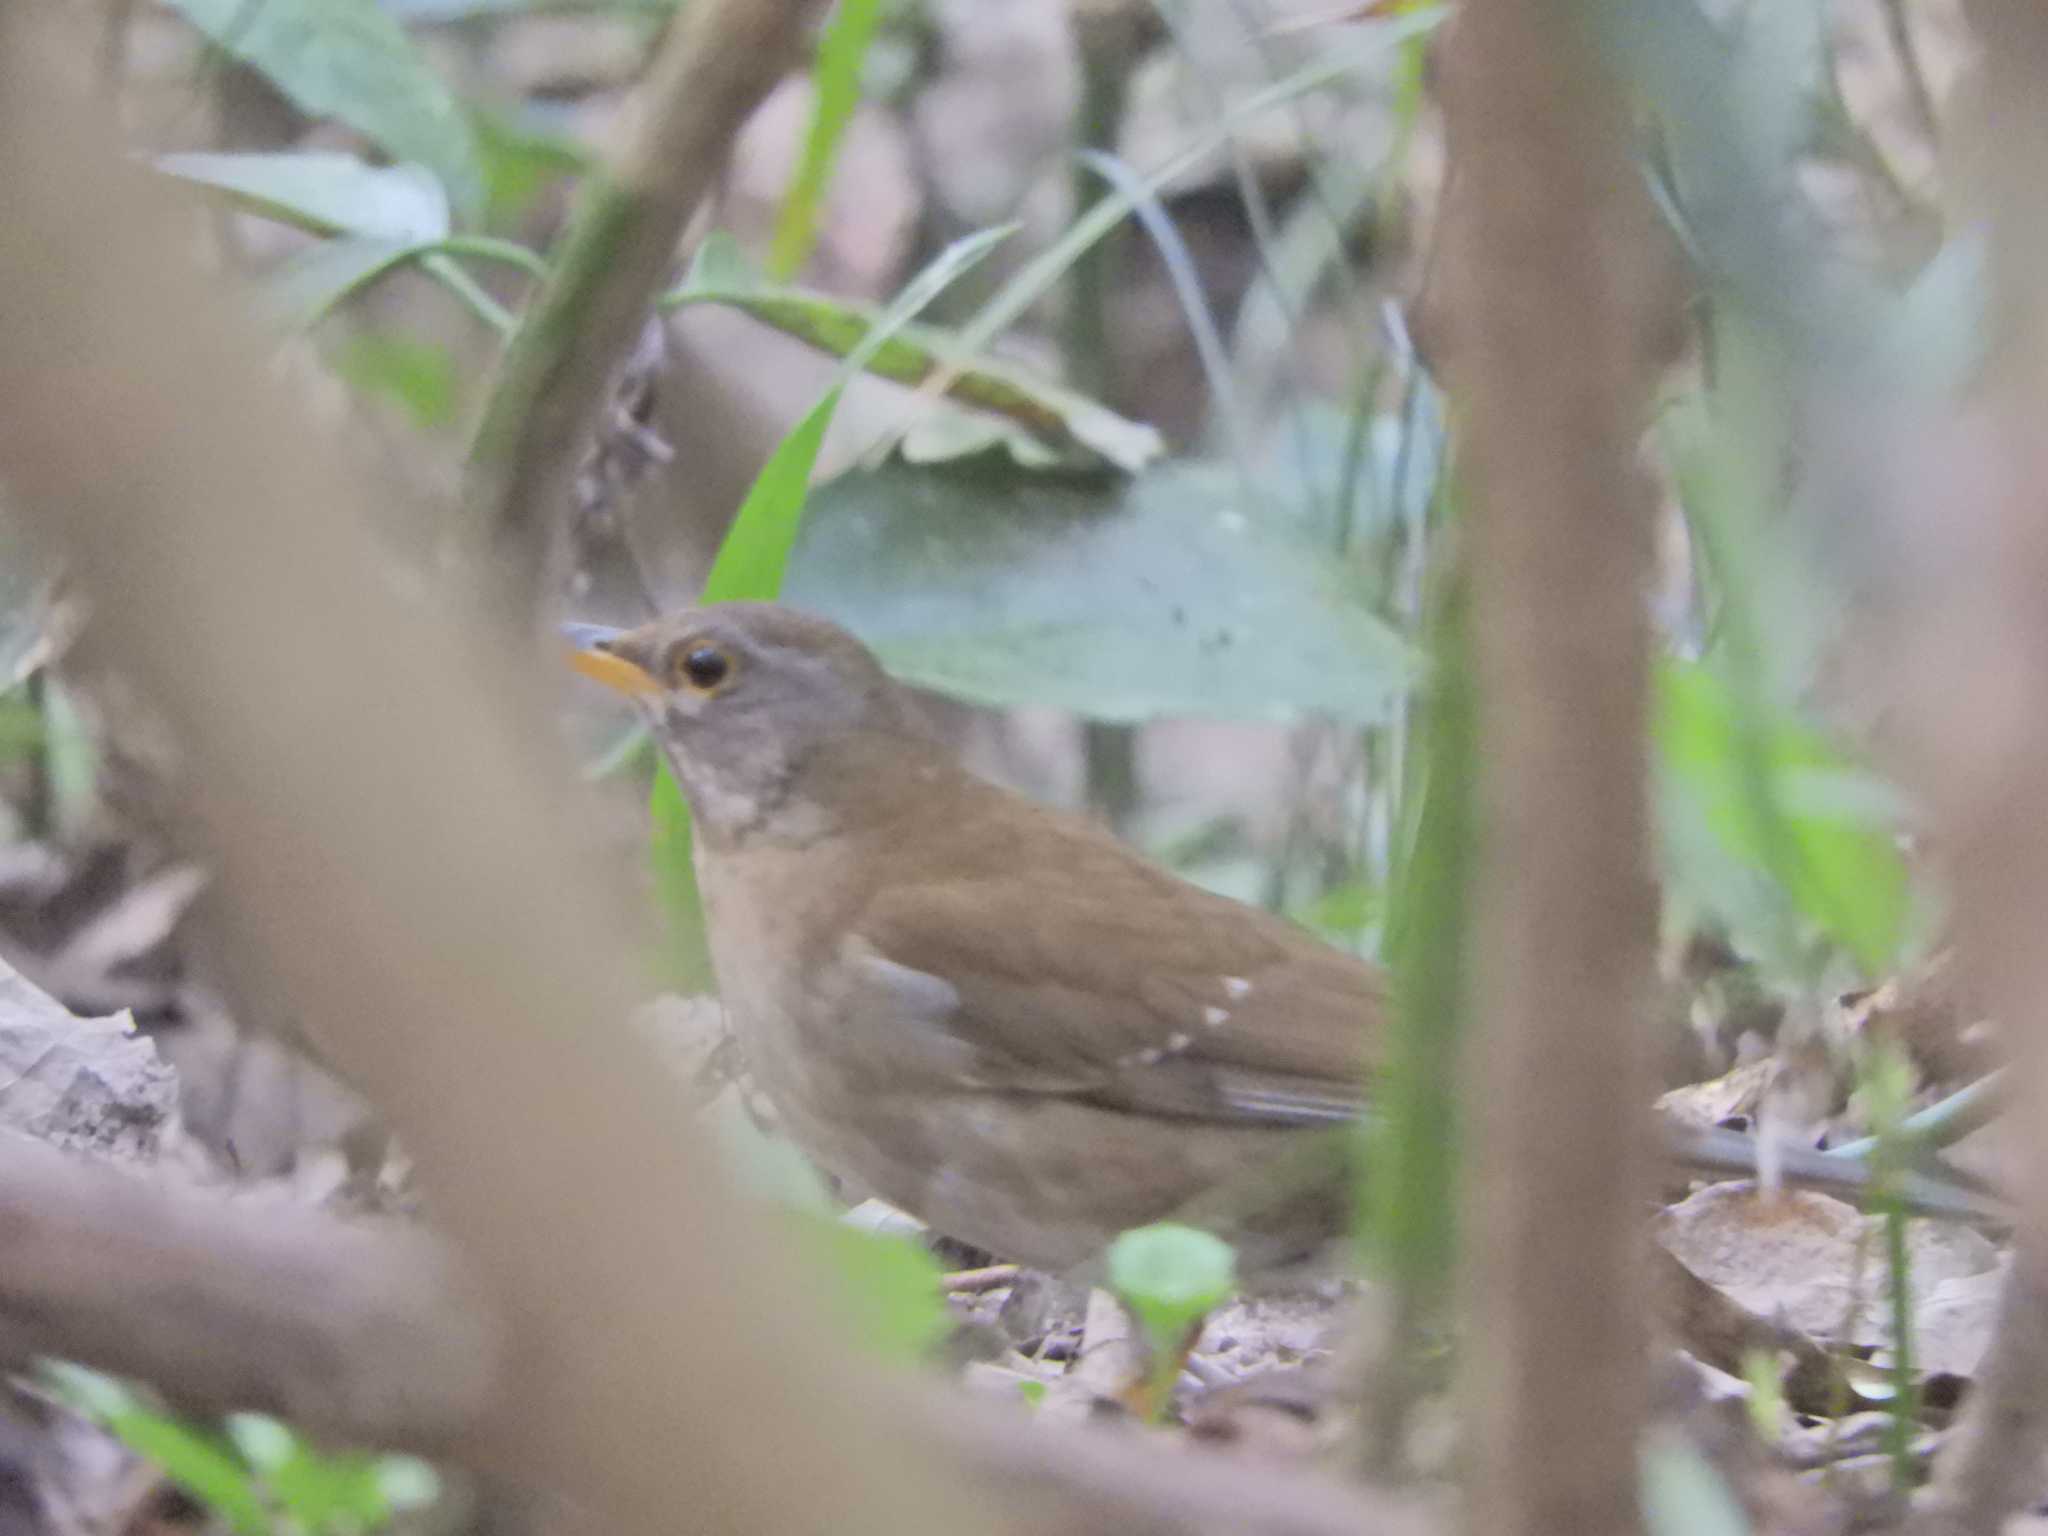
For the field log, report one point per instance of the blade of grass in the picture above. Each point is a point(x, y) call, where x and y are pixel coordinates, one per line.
point(1409, 1198)
point(756, 549)
point(1194, 304)
point(1036, 277)
point(381, 258)
point(835, 83)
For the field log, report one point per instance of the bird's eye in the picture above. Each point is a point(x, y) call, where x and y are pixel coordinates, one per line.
point(703, 667)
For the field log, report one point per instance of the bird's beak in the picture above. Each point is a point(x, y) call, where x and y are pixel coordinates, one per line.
point(590, 654)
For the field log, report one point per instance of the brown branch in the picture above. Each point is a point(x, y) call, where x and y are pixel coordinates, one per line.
point(381, 794)
point(719, 61)
point(1550, 262)
point(369, 1332)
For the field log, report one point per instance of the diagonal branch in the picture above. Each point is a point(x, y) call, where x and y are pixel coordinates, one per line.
point(719, 61)
point(372, 1333)
point(396, 848)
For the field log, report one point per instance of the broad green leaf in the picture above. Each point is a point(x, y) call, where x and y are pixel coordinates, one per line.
point(309, 283)
point(265, 1443)
point(519, 162)
point(339, 1492)
point(1825, 843)
point(1060, 427)
point(324, 193)
point(348, 60)
point(835, 84)
point(1171, 1275)
point(1118, 600)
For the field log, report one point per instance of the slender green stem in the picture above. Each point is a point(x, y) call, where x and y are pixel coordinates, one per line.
point(434, 257)
point(1905, 1392)
point(1941, 1124)
point(490, 248)
point(450, 275)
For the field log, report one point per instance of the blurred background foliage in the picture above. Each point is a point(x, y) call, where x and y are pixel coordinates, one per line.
point(1080, 358)
point(1152, 480)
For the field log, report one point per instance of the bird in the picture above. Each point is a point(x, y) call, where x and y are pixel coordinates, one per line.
point(990, 1013)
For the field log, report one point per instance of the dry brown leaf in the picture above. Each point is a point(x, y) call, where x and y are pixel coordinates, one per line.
point(1794, 1256)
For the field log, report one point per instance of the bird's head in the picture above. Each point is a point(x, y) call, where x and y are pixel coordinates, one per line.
point(746, 700)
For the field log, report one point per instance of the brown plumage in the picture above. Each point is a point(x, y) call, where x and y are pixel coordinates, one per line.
point(988, 1012)
point(993, 1014)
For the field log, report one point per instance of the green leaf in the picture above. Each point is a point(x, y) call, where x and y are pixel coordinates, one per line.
point(1059, 426)
point(309, 283)
point(1345, 913)
point(349, 60)
point(755, 553)
point(518, 163)
point(752, 559)
point(265, 1443)
point(71, 760)
point(1118, 600)
point(341, 1493)
point(324, 193)
point(1171, 1277)
point(1817, 834)
point(201, 1464)
point(888, 1290)
point(835, 82)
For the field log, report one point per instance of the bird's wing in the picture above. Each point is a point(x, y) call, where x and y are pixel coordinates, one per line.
point(1117, 983)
